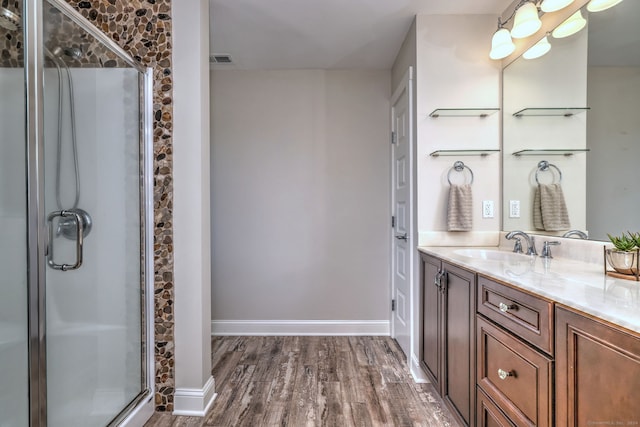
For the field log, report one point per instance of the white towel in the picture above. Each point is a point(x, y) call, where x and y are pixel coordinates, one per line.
point(459, 208)
point(549, 208)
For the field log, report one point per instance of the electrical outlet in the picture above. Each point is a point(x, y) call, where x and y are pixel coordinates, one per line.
point(514, 208)
point(487, 209)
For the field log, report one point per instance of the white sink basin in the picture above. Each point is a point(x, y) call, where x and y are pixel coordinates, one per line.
point(491, 255)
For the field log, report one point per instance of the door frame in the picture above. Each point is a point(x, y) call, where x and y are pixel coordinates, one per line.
point(405, 85)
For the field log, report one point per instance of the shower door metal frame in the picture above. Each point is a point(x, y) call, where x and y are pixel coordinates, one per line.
point(36, 224)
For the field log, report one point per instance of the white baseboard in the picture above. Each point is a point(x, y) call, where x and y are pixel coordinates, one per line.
point(194, 402)
point(416, 370)
point(300, 327)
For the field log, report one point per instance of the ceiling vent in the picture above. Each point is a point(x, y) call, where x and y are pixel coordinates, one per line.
point(220, 58)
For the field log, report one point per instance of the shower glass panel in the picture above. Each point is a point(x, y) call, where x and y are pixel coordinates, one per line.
point(95, 353)
point(14, 378)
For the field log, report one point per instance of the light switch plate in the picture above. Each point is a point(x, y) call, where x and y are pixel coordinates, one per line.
point(487, 209)
point(514, 208)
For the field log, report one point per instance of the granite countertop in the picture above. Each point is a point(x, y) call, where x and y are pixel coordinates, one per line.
point(576, 284)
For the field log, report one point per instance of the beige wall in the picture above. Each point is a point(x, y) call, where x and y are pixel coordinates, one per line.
point(451, 70)
point(300, 196)
point(407, 57)
point(454, 71)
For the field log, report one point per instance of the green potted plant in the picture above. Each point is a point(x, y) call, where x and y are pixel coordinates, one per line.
point(635, 237)
point(624, 257)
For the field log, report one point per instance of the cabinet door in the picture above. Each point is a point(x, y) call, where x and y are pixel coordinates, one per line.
point(458, 385)
point(431, 319)
point(597, 373)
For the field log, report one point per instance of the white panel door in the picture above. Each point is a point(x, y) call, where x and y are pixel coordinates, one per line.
point(401, 245)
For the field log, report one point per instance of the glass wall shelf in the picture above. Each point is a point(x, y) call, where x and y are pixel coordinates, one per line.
point(481, 153)
point(551, 152)
point(564, 112)
point(463, 112)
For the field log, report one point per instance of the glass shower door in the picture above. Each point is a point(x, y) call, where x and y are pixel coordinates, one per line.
point(93, 192)
point(14, 377)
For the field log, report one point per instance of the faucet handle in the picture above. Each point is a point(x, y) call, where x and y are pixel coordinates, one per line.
point(546, 248)
point(517, 247)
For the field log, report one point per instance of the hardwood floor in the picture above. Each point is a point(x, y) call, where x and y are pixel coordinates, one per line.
point(314, 381)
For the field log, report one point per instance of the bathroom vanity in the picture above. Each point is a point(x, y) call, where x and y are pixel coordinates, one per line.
point(510, 339)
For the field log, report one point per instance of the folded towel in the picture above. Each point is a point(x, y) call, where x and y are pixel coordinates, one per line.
point(549, 208)
point(537, 210)
point(459, 208)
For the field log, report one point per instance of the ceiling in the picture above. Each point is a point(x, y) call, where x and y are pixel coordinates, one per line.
point(324, 34)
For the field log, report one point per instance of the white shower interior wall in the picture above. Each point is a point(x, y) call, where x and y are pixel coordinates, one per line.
point(93, 321)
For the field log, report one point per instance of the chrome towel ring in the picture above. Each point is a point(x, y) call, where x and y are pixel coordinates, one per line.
point(460, 167)
point(545, 166)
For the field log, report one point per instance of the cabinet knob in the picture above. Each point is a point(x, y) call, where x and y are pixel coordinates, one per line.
point(506, 307)
point(504, 374)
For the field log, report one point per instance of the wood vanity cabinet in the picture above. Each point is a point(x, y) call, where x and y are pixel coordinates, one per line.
point(503, 357)
point(513, 329)
point(448, 334)
point(597, 373)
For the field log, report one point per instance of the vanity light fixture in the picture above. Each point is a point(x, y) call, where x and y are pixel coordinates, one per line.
point(572, 25)
point(600, 5)
point(501, 44)
point(554, 5)
point(526, 21)
point(538, 49)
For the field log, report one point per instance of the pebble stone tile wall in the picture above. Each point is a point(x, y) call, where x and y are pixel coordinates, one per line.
point(143, 29)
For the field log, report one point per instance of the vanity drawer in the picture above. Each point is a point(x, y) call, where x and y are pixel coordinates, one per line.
point(528, 317)
point(488, 414)
point(515, 376)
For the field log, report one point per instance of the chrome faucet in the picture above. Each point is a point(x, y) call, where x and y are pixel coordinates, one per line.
point(531, 244)
point(580, 234)
point(546, 248)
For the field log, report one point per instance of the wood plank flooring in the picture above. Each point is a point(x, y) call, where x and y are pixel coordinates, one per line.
point(314, 381)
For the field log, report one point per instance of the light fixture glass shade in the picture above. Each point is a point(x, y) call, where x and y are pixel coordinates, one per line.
point(526, 21)
point(554, 5)
point(600, 5)
point(538, 49)
point(501, 44)
point(571, 26)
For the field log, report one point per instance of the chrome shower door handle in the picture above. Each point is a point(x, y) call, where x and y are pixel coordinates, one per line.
point(79, 240)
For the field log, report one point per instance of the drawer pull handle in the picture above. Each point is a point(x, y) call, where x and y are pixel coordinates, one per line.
point(505, 307)
point(504, 374)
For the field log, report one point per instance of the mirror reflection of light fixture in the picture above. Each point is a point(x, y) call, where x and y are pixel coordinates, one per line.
point(554, 5)
point(526, 21)
point(600, 5)
point(501, 44)
point(571, 26)
point(538, 49)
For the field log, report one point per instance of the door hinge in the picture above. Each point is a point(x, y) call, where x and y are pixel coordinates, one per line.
point(393, 222)
point(394, 137)
point(393, 305)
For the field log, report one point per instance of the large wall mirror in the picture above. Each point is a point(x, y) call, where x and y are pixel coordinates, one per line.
point(572, 117)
